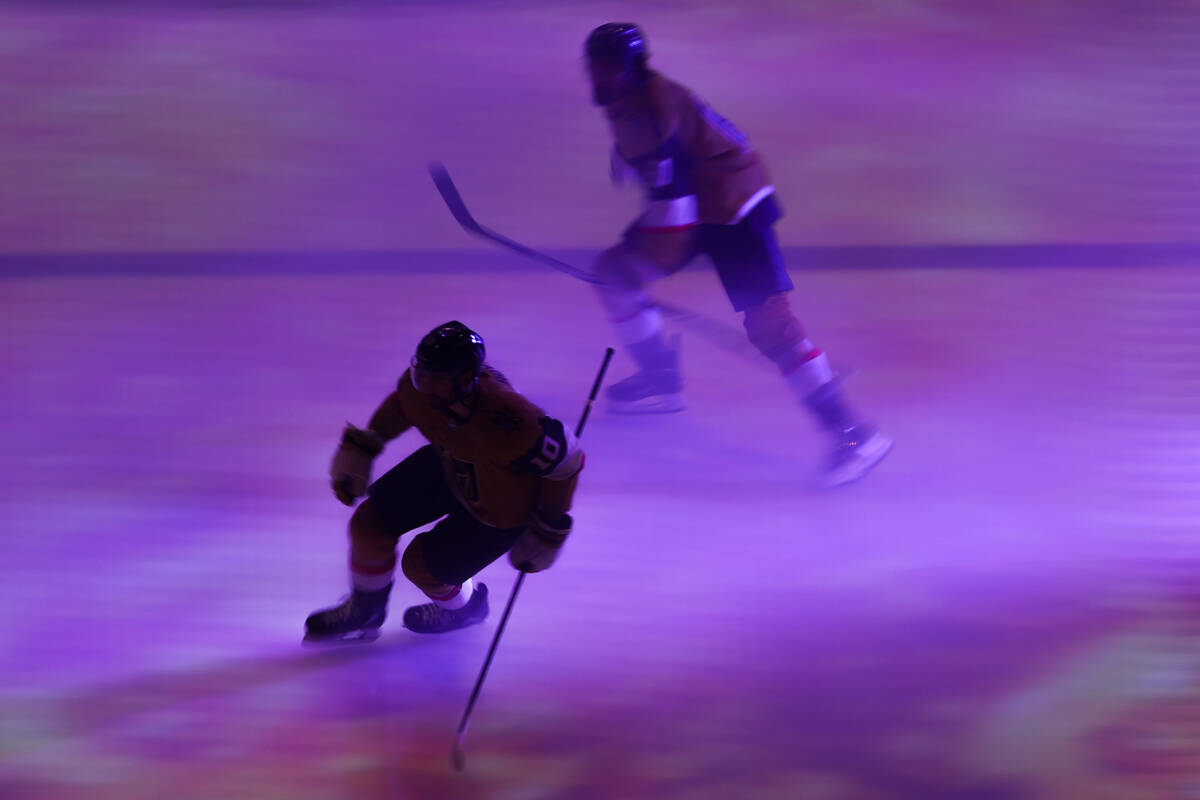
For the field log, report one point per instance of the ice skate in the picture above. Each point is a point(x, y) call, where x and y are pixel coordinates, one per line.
point(356, 619)
point(432, 618)
point(657, 388)
point(857, 451)
point(657, 391)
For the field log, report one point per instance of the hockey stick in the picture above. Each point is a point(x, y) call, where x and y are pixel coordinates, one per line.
point(718, 333)
point(458, 756)
point(449, 193)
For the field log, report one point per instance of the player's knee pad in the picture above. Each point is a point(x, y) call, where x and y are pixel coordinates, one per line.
point(620, 291)
point(663, 252)
point(369, 534)
point(774, 330)
point(632, 312)
point(414, 567)
point(642, 322)
point(617, 266)
point(640, 260)
point(620, 302)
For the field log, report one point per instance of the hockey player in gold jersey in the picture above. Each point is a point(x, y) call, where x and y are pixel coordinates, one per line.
point(707, 192)
point(498, 472)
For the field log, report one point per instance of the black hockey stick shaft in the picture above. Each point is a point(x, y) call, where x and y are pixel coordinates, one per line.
point(587, 409)
point(449, 192)
point(458, 756)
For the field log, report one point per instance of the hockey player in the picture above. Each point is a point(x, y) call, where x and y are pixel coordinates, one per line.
point(498, 471)
point(707, 192)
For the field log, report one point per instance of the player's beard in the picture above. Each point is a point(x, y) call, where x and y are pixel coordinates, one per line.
point(607, 94)
point(603, 97)
point(629, 82)
point(465, 399)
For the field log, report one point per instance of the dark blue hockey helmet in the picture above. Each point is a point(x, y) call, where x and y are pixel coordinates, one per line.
point(616, 61)
point(450, 348)
point(623, 42)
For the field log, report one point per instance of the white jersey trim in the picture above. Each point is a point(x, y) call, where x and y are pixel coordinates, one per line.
point(640, 327)
point(571, 463)
point(749, 205)
point(678, 212)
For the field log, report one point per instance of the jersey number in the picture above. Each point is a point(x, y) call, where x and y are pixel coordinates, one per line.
point(547, 456)
point(464, 478)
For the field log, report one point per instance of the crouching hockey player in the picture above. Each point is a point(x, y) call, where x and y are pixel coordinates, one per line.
point(498, 472)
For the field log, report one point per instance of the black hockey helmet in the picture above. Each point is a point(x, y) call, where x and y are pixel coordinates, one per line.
point(450, 348)
point(618, 41)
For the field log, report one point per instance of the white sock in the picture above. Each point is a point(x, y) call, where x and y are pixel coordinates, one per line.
point(459, 599)
point(639, 327)
point(371, 577)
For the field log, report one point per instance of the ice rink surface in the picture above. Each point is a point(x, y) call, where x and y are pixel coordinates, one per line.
point(993, 613)
point(219, 245)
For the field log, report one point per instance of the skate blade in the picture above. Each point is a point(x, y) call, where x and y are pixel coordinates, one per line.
point(459, 627)
point(660, 404)
point(354, 637)
point(866, 457)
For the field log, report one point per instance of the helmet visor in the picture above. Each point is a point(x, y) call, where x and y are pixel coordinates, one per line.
point(427, 381)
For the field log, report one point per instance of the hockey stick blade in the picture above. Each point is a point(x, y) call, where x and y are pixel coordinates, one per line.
point(449, 192)
point(454, 201)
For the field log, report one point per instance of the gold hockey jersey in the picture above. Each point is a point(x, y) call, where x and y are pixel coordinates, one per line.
point(695, 165)
point(495, 457)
